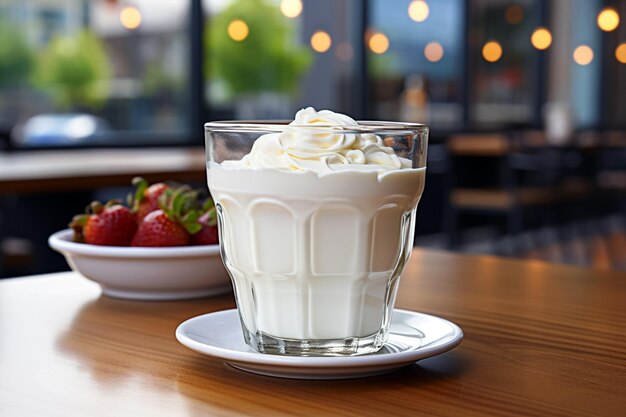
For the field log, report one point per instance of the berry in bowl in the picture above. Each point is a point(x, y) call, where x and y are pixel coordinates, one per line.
point(163, 245)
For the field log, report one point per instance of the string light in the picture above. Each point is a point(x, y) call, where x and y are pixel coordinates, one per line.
point(378, 43)
point(238, 30)
point(419, 10)
point(433, 52)
point(608, 19)
point(492, 51)
point(291, 8)
point(541, 38)
point(583, 55)
point(620, 53)
point(130, 17)
point(514, 14)
point(321, 41)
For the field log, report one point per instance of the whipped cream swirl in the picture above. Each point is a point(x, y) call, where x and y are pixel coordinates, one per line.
point(300, 148)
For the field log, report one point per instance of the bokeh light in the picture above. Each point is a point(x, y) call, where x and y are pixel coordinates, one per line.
point(608, 19)
point(419, 10)
point(583, 55)
point(620, 53)
point(541, 38)
point(321, 41)
point(130, 17)
point(291, 8)
point(514, 14)
point(238, 30)
point(492, 51)
point(433, 52)
point(378, 43)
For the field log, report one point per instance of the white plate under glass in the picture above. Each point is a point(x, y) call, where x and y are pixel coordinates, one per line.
point(412, 336)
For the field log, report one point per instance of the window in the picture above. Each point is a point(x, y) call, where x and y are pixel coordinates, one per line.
point(507, 72)
point(415, 61)
point(585, 78)
point(614, 55)
point(118, 72)
point(267, 58)
point(94, 72)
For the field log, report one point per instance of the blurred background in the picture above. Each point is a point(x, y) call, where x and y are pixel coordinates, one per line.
point(526, 101)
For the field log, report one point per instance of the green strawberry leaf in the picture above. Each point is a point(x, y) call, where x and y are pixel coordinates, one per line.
point(178, 202)
point(192, 228)
point(79, 220)
point(212, 217)
point(190, 217)
point(114, 202)
point(164, 199)
point(191, 200)
point(140, 186)
point(77, 225)
point(208, 205)
point(95, 207)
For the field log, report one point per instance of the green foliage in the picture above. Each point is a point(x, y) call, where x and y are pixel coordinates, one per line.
point(158, 82)
point(17, 59)
point(75, 70)
point(267, 60)
point(384, 66)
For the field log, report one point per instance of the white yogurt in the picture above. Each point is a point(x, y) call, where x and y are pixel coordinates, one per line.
point(313, 228)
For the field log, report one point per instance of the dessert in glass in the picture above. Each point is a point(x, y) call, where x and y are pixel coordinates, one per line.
point(316, 221)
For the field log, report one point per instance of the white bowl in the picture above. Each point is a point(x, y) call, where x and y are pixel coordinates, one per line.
point(147, 273)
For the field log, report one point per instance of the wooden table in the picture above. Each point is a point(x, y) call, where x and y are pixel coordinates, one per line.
point(85, 169)
point(539, 340)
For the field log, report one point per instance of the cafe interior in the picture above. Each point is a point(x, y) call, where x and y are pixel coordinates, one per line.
point(525, 101)
point(327, 293)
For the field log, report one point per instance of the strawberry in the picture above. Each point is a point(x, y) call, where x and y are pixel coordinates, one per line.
point(208, 234)
point(172, 224)
point(157, 229)
point(109, 225)
point(146, 198)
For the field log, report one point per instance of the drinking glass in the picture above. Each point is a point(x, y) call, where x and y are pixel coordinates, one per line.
point(315, 259)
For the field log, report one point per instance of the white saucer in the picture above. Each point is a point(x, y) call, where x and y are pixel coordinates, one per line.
point(413, 336)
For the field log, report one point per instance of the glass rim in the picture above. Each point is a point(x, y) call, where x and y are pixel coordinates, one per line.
point(278, 126)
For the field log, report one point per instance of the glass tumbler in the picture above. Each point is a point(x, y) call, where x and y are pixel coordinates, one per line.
point(315, 258)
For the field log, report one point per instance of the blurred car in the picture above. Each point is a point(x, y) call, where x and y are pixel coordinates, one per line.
point(60, 130)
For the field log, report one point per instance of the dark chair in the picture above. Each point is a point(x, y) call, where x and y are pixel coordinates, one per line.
point(496, 175)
